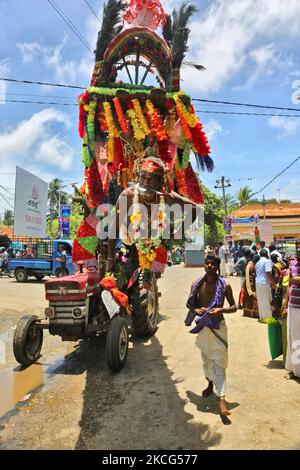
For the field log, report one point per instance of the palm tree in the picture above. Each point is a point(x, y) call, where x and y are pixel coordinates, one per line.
point(243, 195)
point(8, 218)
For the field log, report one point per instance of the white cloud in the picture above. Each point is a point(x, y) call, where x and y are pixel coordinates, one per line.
point(32, 142)
point(55, 151)
point(52, 57)
point(212, 128)
point(230, 31)
point(287, 126)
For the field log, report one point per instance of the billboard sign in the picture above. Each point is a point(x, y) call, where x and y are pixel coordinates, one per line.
point(266, 232)
point(31, 195)
point(64, 220)
point(227, 224)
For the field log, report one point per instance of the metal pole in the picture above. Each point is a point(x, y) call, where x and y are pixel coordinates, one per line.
point(224, 195)
point(264, 207)
point(59, 224)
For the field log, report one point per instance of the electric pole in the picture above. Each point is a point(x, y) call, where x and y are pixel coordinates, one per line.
point(264, 207)
point(221, 184)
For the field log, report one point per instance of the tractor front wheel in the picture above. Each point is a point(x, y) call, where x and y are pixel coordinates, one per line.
point(28, 340)
point(117, 343)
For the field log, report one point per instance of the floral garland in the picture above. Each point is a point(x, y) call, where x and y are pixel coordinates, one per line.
point(151, 253)
point(189, 117)
point(138, 131)
point(156, 122)
point(120, 115)
point(112, 131)
point(141, 117)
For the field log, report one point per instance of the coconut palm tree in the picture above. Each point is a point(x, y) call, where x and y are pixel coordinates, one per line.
point(243, 195)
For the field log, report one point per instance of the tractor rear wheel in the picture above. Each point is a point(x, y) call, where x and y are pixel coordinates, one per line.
point(145, 309)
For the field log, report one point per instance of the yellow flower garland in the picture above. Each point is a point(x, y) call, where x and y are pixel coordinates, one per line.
point(189, 117)
point(138, 131)
point(112, 131)
point(141, 117)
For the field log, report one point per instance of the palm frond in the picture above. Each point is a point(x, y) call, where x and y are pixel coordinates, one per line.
point(167, 30)
point(110, 26)
point(181, 31)
point(197, 66)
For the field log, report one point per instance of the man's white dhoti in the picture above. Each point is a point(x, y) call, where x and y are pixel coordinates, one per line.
point(230, 265)
point(223, 268)
point(293, 341)
point(214, 356)
point(264, 298)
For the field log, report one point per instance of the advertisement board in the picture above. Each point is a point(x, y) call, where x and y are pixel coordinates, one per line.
point(31, 195)
point(64, 221)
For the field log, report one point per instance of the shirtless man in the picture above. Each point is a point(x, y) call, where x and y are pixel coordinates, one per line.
point(206, 300)
point(151, 188)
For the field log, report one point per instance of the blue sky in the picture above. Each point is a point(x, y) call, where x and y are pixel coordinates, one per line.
point(249, 48)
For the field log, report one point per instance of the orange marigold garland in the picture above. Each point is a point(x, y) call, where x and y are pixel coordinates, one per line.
point(156, 122)
point(121, 116)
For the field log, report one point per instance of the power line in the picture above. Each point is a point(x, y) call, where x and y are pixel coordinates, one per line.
point(275, 177)
point(70, 24)
point(246, 104)
point(7, 202)
point(92, 10)
point(29, 82)
point(40, 96)
point(38, 102)
point(198, 111)
point(228, 103)
point(246, 114)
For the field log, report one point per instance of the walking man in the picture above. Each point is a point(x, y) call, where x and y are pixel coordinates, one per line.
point(206, 307)
point(223, 257)
point(264, 282)
point(293, 321)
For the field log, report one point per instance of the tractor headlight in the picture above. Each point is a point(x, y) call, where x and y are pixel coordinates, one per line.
point(78, 312)
point(49, 312)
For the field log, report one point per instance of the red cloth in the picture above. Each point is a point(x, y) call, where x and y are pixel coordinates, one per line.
point(96, 193)
point(151, 166)
point(109, 283)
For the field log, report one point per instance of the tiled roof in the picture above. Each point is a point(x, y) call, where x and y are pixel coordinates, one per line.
point(5, 230)
point(271, 210)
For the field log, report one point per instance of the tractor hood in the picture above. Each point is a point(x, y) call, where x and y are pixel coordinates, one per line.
point(73, 287)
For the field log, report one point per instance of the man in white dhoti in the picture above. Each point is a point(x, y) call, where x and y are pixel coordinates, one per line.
point(223, 259)
point(264, 281)
point(206, 307)
point(293, 322)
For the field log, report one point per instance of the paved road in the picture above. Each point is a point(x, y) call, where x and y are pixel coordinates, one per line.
point(155, 401)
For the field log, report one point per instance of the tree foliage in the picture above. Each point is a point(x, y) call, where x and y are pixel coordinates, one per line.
point(8, 218)
point(213, 217)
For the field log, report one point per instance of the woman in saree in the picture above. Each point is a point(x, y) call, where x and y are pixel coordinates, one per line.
point(248, 299)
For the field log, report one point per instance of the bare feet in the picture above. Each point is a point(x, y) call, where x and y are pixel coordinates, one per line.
point(223, 408)
point(209, 390)
point(289, 375)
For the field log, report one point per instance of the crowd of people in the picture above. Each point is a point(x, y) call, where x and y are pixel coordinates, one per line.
point(270, 290)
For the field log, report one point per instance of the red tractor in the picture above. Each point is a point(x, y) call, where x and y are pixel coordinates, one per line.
point(79, 308)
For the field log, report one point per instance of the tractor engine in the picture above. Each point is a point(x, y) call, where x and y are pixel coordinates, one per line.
point(74, 305)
